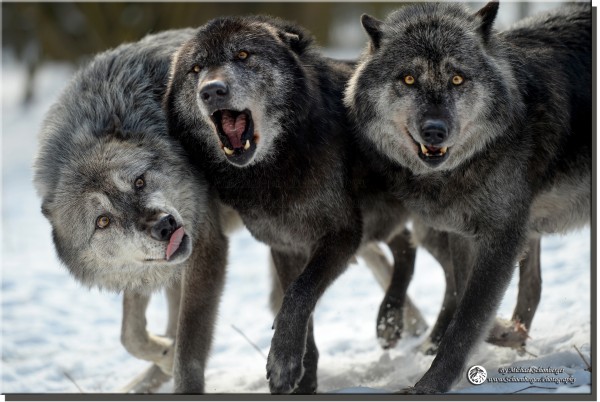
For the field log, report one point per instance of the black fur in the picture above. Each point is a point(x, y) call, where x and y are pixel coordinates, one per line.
point(299, 193)
point(518, 158)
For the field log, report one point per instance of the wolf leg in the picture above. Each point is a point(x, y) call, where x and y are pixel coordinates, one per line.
point(437, 244)
point(288, 346)
point(203, 281)
point(514, 333)
point(134, 336)
point(376, 260)
point(390, 318)
point(530, 285)
point(136, 340)
point(288, 266)
point(494, 257)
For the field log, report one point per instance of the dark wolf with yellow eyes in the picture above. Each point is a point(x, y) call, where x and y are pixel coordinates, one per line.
point(486, 135)
point(128, 212)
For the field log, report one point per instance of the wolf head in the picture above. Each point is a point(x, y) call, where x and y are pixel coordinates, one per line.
point(124, 212)
point(433, 87)
point(123, 202)
point(232, 85)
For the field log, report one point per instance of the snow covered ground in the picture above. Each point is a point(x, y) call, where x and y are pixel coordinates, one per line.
point(54, 329)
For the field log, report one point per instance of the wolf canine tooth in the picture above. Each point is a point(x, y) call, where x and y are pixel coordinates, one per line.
point(247, 145)
point(424, 149)
point(443, 150)
point(228, 151)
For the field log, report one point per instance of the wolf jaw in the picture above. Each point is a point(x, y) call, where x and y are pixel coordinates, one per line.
point(236, 133)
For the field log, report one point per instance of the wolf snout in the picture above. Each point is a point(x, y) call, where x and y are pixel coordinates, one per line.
point(434, 131)
point(164, 228)
point(214, 92)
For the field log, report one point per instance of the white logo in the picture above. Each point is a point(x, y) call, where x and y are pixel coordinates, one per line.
point(476, 375)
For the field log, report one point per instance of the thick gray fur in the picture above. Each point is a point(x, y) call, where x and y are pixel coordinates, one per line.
point(518, 132)
point(106, 131)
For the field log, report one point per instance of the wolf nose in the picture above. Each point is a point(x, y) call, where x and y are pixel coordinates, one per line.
point(434, 131)
point(214, 91)
point(164, 228)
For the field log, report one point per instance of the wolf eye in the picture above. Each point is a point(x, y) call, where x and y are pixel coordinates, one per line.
point(242, 55)
point(457, 80)
point(139, 182)
point(102, 222)
point(409, 80)
point(196, 68)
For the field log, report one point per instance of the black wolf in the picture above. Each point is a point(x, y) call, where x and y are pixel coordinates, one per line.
point(260, 110)
point(486, 135)
point(128, 212)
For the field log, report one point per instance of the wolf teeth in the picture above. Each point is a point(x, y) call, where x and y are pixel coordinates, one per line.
point(247, 145)
point(425, 151)
point(228, 151)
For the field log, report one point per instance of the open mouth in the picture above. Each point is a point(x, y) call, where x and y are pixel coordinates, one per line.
point(236, 133)
point(432, 155)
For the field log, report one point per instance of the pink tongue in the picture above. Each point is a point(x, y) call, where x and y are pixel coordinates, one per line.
point(174, 242)
point(233, 127)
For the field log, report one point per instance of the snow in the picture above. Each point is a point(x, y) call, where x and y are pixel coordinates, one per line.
point(54, 329)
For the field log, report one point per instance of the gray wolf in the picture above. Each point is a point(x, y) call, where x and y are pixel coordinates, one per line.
point(128, 212)
point(259, 109)
point(487, 137)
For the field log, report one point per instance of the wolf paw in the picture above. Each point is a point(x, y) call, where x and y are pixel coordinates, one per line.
point(389, 323)
point(284, 368)
point(167, 353)
point(147, 382)
point(416, 390)
point(508, 334)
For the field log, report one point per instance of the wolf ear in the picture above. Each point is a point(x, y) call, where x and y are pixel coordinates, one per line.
point(290, 39)
point(487, 15)
point(373, 28)
point(296, 38)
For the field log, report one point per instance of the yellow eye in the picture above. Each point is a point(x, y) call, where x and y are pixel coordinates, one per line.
point(102, 222)
point(457, 80)
point(242, 55)
point(139, 182)
point(409, 80)
point(196, 68)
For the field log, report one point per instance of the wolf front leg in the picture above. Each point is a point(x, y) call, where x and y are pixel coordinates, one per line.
point(152, 378)
point(494, 262)
point(390, 320)
point(285, 368)
point(202, 286)
point(377, 262)
point(136, 339)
